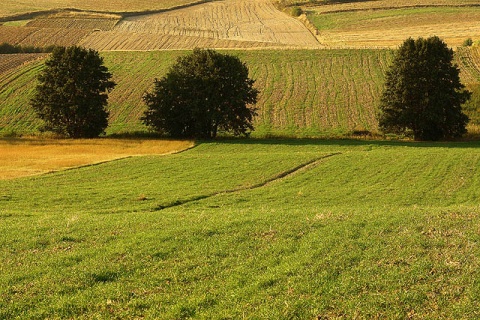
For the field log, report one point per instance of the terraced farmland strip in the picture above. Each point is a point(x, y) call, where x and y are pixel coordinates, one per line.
point(75, 20)
point(41, 37)
point(389, 28)
point(12, 61)
point(303, 92)
point(14, 7)
point(115, 40)
point(389, 4)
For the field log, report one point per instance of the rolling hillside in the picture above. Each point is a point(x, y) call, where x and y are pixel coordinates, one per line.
point(282, 229)
point(331, 98)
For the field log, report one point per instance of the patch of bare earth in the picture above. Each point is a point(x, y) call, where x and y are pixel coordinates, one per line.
point(25, 157)
point(11, 61)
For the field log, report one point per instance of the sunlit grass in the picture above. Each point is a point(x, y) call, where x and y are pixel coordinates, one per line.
point(23, 157)
point(375, 230)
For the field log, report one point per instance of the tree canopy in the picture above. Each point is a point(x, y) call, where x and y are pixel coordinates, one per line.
point(72, 93)
point(423, 94)
point(203, 93)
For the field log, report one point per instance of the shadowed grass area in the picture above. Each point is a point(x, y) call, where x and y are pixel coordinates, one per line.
point(379, 230)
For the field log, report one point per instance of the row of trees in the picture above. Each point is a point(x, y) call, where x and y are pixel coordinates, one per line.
point(203, 93)
point(207, 92)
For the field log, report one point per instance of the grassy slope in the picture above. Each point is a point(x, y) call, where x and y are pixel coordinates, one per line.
point(377, 230)
point(303, 92)
point(332, 98)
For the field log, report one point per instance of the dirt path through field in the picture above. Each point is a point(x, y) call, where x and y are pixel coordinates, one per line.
point(244, 21)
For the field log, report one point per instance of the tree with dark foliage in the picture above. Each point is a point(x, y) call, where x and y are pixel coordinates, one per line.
point(423, 94)
point(73, 91)
point(203, 93)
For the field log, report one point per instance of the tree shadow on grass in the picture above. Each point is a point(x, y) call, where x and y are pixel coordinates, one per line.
point(345, 142)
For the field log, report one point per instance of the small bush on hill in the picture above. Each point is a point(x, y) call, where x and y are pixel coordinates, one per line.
point(468, 42)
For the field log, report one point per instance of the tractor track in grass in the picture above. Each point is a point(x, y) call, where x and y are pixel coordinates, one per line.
point(282, 175)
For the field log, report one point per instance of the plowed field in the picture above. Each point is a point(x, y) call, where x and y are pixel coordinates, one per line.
point(242, 20)
point(41, 37)
point(11, 61)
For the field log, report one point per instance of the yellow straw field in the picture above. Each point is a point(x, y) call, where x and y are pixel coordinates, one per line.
point(25, 157)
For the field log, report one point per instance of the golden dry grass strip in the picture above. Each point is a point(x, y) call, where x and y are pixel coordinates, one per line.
point(25, 157)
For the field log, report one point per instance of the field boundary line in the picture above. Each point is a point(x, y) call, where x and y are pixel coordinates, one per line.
point(282, 175)
point(415, 6)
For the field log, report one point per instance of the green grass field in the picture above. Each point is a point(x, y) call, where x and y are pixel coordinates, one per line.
point(304, 93)
point(257, 229)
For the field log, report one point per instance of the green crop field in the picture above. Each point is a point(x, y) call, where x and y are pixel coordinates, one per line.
point(304, 93)
point(258, 229)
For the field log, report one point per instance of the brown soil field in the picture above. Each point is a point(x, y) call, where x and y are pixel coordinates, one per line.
point(76, 20)
point(15, 7)
point(11, 61)
point(41, 37)
point(26, 157)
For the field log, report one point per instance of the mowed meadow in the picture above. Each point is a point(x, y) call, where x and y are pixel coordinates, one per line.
point(290, 224)
point(257, 229)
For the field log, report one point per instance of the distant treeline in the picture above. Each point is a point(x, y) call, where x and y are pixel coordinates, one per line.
point(6, 48)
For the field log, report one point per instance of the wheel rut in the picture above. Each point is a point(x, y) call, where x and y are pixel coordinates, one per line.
point(281, 176)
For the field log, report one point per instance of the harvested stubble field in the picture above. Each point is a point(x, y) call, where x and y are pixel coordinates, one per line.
point(15, 7)
point(383, 4)
point(25, 157)
point(76, 20)
point(391, 26)
point(256, 23)
point(337, 95)
point(41, 37)
point(218, 24)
